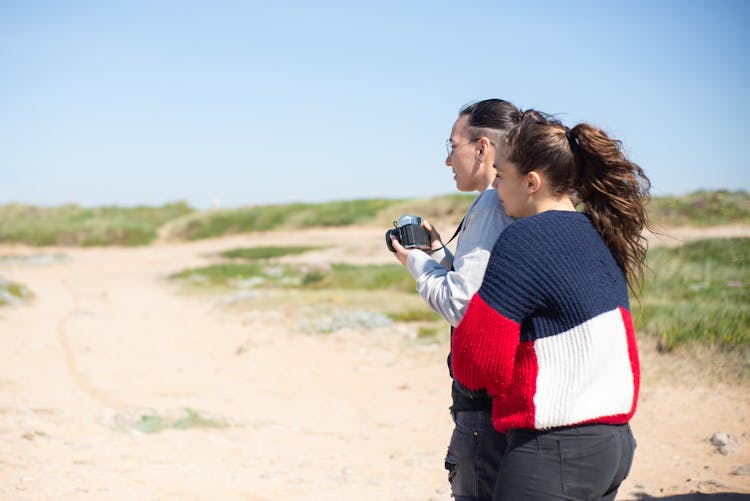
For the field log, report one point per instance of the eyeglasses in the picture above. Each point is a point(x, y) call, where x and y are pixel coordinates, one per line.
point(449, 146)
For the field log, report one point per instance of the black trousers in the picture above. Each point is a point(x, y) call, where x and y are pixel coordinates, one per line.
point(474, 455)
point(578, 463)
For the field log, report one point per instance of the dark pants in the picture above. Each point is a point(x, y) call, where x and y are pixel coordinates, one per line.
point(578, 463)
point(474, 455)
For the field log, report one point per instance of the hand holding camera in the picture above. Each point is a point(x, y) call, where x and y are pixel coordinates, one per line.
point(409, 232)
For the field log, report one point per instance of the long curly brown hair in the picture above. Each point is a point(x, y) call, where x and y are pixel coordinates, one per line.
point(590, 167)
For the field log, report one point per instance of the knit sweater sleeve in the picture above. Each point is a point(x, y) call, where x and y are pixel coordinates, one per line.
point(485, 343)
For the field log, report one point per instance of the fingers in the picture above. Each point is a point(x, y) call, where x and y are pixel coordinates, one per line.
point(396, 244)
point(434, 235)
point(401, 252)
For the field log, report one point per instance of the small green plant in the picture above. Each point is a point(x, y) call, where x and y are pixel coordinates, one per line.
point(150, 423)
point(154, 422)
point(13, 292)
point(256, 253)
point(313, 278)
point(196, 419)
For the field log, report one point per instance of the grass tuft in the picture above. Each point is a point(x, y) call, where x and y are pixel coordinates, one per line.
point(13, 292)
point(257, 253)
point(154, 422)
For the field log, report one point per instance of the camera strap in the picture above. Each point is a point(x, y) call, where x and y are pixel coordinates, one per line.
point(458, 230)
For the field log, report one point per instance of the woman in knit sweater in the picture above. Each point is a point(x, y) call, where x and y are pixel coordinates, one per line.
point(549, 334)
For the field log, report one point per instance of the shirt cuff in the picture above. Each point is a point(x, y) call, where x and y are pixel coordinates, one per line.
point(443, 256)
point(417, 261)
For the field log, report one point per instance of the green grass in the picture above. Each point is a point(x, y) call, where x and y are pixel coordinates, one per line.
point(370, 277)
point(702, 208)
point(381, 212)
point(72, 225)
point(13, 292)
point(699, 292)
point(271, 217)
point(258, 253)
point(338, 276)
point(223, 274)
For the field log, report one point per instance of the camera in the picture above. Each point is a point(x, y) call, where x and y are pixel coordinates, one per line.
point(409, 232)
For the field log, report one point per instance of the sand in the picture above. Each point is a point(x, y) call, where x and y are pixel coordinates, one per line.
point(357, 414)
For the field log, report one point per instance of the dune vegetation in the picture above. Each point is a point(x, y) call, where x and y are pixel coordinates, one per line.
point(698, 292)
point(702, 208)
point(72, 225)
point(221, 222)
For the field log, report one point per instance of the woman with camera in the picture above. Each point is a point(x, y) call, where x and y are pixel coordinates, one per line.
point(447, 283)
point(549, 334)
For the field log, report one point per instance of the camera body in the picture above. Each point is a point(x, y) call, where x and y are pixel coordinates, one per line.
point(409, 232)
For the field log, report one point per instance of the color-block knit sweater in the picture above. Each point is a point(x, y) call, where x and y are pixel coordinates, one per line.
point(549, 334)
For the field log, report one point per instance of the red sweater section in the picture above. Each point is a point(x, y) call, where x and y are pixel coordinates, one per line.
point(635, 363)
point(483, 348)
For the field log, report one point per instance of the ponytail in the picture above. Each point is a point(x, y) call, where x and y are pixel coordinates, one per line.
point(613, 193)
point(590, 167)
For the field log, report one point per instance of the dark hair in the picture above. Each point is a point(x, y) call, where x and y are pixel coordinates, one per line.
point(490, 117)
point(588, 165)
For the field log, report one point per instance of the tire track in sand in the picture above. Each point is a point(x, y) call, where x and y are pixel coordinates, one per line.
point(79, 377)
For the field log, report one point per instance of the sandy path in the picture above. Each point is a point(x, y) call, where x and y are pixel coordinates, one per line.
point(351, 415)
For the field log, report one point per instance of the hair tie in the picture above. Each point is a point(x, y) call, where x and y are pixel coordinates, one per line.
point(571, 137)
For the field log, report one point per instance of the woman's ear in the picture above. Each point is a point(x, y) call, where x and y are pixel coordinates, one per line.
point(533, 182)
point(483, 144)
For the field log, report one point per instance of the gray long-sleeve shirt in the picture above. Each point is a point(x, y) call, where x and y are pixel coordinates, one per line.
point(448, 292)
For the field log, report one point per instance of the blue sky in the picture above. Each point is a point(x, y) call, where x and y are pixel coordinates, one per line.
point(241, 102)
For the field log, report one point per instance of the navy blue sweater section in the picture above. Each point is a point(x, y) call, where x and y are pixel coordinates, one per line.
point(551, 272)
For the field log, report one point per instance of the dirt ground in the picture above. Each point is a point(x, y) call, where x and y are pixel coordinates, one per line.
point(351, 415)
